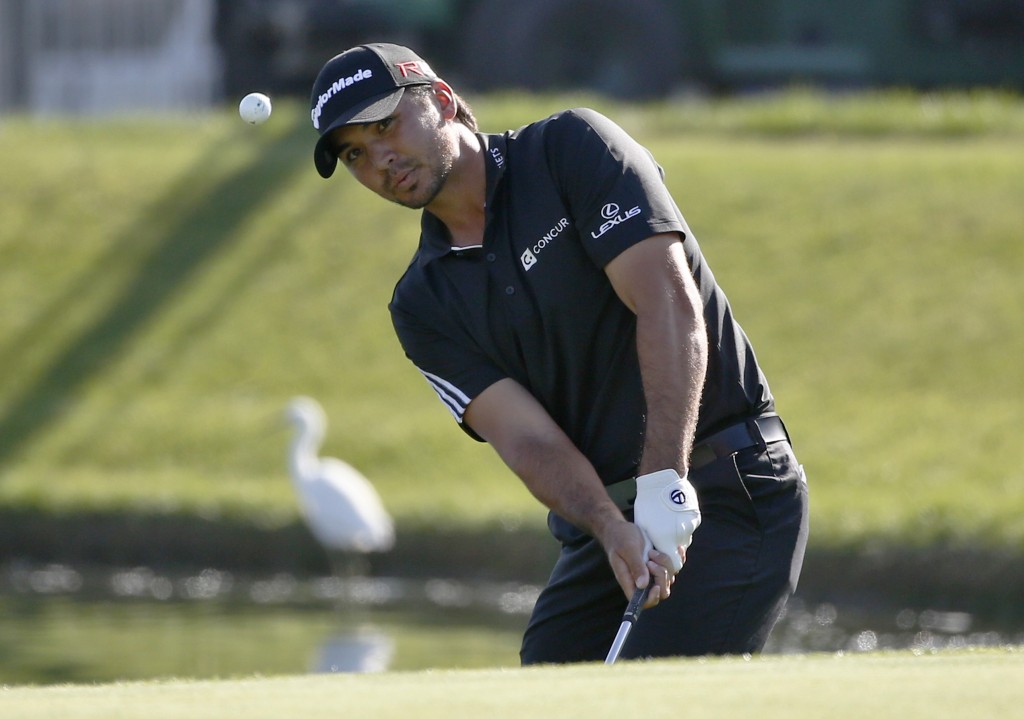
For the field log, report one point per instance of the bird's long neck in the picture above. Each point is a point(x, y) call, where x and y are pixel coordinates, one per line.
point(302, 458)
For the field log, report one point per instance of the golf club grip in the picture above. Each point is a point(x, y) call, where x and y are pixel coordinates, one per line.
point(636, 604)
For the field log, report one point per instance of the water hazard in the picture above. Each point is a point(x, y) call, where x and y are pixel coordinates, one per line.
point(62, 624)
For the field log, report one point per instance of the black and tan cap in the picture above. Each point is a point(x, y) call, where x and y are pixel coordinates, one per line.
point(364, 84)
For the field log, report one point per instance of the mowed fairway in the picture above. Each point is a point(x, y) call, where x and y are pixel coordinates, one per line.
point(974, 684)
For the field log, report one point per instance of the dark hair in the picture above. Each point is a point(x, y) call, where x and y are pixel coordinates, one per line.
point(463, 113)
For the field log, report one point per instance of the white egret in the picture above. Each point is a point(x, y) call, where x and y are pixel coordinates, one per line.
point(361, 650)
point(340, 506)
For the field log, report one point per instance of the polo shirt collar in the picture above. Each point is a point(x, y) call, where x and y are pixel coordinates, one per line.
point(434, 242)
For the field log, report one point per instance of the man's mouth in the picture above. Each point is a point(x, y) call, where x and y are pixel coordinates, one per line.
point(402, 180)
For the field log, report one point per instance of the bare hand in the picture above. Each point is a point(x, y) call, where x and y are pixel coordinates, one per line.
point(624, 544)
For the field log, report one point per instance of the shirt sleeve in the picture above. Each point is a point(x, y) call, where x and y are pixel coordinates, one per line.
point(454, 370)
point(612, 185)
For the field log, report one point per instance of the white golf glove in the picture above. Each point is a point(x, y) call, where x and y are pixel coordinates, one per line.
point(667, 512)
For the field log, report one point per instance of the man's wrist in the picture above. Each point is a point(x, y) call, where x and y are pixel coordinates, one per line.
point(658, 479)
point(604, 522)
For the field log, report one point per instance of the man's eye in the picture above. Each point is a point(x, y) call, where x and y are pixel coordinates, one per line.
point(385, 123)
point(349, 156)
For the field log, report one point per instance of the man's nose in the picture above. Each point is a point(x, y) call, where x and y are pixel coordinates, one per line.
point(382, 155)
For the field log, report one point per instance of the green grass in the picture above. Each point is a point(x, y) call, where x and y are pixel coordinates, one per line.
point(797, 112)
point(166, 286)
point(898, 685)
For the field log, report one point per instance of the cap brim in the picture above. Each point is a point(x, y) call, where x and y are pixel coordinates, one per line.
point(370, 110)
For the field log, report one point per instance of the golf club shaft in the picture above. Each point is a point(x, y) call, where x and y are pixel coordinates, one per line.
point(633, 609)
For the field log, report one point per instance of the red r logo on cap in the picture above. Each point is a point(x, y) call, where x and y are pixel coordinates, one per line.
point(410, 66)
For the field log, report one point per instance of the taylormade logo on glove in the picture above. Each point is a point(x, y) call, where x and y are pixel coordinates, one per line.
point(667, 511)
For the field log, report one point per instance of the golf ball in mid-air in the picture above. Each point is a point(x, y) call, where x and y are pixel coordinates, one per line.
point(254, 108)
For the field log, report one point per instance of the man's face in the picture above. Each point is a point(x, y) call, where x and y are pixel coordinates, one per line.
point(406, 157)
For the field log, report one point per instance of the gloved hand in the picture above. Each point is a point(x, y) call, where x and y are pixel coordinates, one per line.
point(667, 511)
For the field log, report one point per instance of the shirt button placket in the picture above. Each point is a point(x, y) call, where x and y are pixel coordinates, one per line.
point(509, 289)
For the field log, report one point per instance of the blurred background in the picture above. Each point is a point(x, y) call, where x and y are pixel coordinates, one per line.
point(104, 56)
point(170, 277)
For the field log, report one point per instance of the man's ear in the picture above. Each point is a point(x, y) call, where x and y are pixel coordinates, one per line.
point(447, 99)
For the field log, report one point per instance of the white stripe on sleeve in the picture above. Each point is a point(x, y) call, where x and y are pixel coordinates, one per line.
point(454, 399)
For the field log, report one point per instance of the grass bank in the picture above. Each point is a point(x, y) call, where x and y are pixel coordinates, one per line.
point(878, 685)
point(166, 286)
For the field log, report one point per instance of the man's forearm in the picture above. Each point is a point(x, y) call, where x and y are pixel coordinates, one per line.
point(539, 452)
point(672, 349)
point(562, 478)
point(653, 279)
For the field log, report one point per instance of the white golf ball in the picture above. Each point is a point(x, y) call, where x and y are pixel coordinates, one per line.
point(254, 108)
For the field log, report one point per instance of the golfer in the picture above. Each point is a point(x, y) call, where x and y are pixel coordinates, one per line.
point(563, 312)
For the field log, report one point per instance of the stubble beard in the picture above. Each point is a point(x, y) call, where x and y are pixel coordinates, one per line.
point(439, 165)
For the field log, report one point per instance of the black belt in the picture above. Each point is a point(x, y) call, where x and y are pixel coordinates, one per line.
point(756, 432)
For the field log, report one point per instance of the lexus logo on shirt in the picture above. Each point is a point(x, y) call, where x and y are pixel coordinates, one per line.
point(610, 212)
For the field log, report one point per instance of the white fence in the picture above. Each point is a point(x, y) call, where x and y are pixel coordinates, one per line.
point(99, 57)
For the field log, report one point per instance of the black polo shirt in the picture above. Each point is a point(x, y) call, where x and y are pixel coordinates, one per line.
point(564, 196)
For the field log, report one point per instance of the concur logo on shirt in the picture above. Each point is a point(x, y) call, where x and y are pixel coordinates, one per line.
point(529, 257)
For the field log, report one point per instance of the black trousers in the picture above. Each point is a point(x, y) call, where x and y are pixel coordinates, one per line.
point(740, 571)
